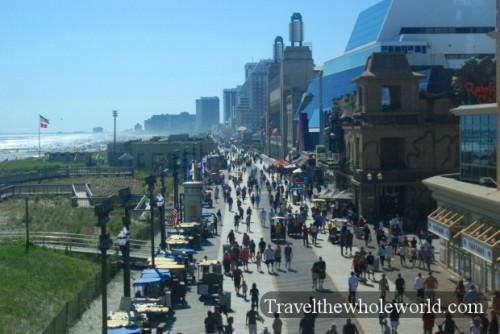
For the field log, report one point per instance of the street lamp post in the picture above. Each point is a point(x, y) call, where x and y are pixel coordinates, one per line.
point(160, 203)
point(123, 242)
point(101, 211)
point(123, 239)
point(115, 114)
point(184, 160)
point(150, 181)
point(175, 167)
point(375, 179)
point(181, 209)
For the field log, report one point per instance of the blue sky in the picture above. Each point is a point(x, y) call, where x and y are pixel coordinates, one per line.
point(74, 62)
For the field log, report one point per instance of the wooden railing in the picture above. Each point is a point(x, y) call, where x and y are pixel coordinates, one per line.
point(72, 242)
point(51, 173)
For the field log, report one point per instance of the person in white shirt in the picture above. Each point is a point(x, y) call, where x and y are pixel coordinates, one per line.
point(419, 287)
point(352, 281)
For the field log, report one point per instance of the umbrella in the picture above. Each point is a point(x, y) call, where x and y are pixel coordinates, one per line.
point(280, 163)
point(297, 171)
point(290, 166)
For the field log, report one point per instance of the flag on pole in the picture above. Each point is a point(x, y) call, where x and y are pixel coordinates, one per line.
point(43, 122)
point(173, 218)
point(193, 170)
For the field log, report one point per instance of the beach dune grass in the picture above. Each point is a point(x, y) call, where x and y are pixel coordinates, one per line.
point(35, 286)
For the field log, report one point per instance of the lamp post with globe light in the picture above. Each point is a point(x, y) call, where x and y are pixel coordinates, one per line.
point(123, 239)
point(101, 211)
point(375, 179)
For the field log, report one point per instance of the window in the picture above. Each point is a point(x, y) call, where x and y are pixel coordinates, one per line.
point(392, 152)
point(390, 98)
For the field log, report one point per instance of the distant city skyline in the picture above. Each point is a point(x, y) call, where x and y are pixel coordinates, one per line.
point(76, 62)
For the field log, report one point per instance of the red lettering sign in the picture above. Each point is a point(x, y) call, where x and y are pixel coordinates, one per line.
point(483, 93)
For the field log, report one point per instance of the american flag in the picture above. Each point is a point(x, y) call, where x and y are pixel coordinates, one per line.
point(43, 122)
point(173, 218)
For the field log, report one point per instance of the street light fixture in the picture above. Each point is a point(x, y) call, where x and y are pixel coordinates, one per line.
point(160, 203)
point(150, 181)
point(123, 241)
point(115, 114)
point(101, 211)
point(125, 246)
point(375, 179)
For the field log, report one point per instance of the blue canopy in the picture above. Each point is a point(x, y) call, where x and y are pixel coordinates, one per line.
point(184, 250)
point(176, 257)
point(124, 330)
point(147, 281)
point(163, 274)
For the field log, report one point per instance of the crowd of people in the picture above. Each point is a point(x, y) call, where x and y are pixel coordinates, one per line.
point(374, 256)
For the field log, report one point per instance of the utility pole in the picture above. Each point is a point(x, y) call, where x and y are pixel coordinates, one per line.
point(115, 114)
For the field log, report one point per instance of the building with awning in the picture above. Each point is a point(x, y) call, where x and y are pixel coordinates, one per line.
point(445, 222)
point(467, 220)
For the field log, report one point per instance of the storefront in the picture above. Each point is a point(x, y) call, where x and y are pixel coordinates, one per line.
point(481, 240)
point(447, 223)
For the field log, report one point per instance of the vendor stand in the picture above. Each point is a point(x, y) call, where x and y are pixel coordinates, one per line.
point(210, 277)
point(278, 228)
point(295, 226)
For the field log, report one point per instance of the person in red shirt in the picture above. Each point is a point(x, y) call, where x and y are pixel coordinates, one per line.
point(245, 257)
point(428, 318)
point(237, 276)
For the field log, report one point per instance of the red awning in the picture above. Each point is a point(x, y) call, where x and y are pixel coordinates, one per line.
point(280, 163)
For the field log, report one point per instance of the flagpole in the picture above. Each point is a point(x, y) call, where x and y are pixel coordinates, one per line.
point(39, 147)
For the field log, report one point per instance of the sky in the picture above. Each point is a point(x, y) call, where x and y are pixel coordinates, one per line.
point(74, 62)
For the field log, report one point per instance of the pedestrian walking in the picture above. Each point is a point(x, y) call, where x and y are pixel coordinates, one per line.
point(277, 323)
point(322, 272)
point(402, 256)
point(258, 261)
point(349, 327)
point(248, 221)
point(268, 256)
point(381, 254)
point(431, 286)
point(288, 255)
point(277, 257)
point(352, 282)
point(383, 286)
point(236, 222)
point(428, 318)
point(237, 277)
point(254, 295)
point(263, 217)
point(420, 287)
point(400, 288)
point(315, 275)
point(251, 321)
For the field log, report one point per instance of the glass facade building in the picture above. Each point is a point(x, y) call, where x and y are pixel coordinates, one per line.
point(478, 142)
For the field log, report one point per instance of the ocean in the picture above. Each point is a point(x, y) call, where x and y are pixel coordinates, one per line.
point(20, 146)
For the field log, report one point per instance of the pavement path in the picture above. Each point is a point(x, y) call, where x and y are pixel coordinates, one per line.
point(188, 318)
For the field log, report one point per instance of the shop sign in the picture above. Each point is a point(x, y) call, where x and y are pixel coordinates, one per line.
point(477, 248)
point(438, 229)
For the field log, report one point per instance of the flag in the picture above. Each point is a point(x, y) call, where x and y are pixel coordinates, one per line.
point(202, 169)
point(173, 218)
point(43, 122)
point(193, 170)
